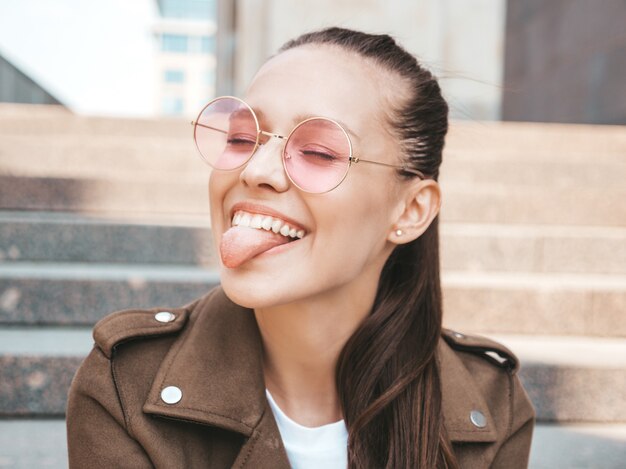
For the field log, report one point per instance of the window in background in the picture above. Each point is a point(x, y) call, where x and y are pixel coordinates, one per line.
point(174, 42)
point(174, 76)
point(200, 9)
point(173, 105)
point(209, 77)
point(207, 44)
point(185, 34)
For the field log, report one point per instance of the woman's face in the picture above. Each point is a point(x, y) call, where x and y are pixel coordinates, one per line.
point(348, 231)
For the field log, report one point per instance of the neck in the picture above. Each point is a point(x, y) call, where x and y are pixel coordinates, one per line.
point(302, 342)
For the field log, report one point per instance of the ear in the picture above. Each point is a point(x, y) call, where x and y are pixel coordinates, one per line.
point(421, 205)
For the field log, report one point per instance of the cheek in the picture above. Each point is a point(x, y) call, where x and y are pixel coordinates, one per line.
point(216, 197)
point(213, 180)
point(218, 187)
point(369, 200)
point(355, 232)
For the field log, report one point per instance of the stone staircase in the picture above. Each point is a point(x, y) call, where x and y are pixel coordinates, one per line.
point(102, 214)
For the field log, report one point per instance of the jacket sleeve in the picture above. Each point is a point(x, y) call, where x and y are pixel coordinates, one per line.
point(515, 450)
point(96, 430)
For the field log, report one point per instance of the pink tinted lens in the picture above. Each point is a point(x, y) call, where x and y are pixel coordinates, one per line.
point(317, 155)
point(226, 133)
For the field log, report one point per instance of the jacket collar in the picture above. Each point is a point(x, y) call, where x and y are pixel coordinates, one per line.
point(217, 364)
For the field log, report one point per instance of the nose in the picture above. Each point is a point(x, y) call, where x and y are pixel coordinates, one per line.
point(265, 169)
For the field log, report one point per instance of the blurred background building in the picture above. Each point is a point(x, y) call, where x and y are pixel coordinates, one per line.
point(140, 58)
point(186, 61)
point(560, 61)
point(17, 87)
point(148, 58)
point(168, 57)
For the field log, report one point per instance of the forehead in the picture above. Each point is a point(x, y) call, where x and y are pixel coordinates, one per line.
point(326, 81)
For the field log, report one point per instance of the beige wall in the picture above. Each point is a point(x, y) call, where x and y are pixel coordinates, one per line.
point(460, 40)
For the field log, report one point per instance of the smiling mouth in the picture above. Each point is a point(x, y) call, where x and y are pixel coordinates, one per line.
point(267, 223)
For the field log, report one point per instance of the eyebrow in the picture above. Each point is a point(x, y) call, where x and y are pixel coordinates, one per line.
point(302, 117)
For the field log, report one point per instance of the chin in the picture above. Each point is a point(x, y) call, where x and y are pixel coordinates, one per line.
point(254, 290)
point(250, 293)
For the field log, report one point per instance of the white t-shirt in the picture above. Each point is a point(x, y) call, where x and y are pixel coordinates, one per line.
point(312, 447)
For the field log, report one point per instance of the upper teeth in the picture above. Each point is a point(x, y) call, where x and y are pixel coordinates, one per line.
point(266, 223)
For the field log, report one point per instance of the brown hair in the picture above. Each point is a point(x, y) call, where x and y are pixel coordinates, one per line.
point(387, 373)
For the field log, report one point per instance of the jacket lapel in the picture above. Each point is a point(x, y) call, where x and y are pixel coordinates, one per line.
point(264, 449)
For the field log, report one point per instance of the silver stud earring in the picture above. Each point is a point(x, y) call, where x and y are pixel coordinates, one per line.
point(398, 232)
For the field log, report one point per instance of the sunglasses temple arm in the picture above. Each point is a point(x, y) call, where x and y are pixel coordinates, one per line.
point(208, 127)
point(403, 168)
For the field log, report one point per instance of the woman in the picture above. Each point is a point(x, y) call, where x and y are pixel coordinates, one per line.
point(323, 346)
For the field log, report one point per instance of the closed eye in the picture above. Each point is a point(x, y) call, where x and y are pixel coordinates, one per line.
point(236, 140)
point(319, 154)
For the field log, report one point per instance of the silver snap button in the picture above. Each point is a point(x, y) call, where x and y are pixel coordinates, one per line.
point(171, 395)
point(165, 316)
point(478, 418)
point(458, 335)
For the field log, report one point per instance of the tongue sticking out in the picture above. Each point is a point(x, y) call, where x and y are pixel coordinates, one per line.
point(240, 244)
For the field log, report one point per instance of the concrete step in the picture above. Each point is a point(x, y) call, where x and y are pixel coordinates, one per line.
point(476, 247)
point(26, 444)
point(30, 120)
point(531, 170)
point(495, 203)
point(505, 203)
point(157, 157)
point(549, 141)
point(33, 443)
point(72, 237)
point(73, 146)
point(559, 373)
point(544, 304)
point(504, 139)
point(73, 293)
point(578, 446)
point(104, 196)
point(37, 366)
point(110, 156)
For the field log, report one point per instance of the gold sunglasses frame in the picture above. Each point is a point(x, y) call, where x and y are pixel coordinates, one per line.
point(352, 159)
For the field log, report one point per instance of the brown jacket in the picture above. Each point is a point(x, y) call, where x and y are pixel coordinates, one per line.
point(211, 352)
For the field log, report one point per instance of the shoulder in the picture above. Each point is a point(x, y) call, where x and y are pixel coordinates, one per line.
point(483, 348)
point(135, 328)
point(129, 348)
point(137, 325)
point(483, 398)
